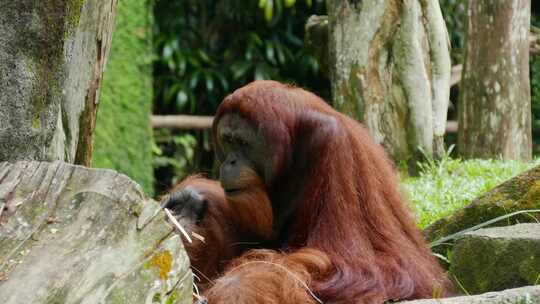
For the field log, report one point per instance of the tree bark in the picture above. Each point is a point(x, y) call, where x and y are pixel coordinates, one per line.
point(390, 69)
point(52, 56)
point(517, 194)
point(494, 105)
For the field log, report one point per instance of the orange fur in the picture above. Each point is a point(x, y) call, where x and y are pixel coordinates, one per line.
point(342, 232)
point(252, 207)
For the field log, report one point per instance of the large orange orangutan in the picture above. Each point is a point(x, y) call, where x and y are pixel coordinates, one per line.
point(307, 210)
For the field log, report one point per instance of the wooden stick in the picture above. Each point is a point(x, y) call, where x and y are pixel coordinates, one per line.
point(177, 224)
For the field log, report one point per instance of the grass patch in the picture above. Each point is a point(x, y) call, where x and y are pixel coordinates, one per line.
point(450, 184)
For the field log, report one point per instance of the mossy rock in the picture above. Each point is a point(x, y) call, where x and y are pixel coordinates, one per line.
point(522, 295)
point(69, 234)
point(497, 258)
point(519, 193)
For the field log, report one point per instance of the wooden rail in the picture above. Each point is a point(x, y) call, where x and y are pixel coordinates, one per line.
point(182, 122)
point(193, 122)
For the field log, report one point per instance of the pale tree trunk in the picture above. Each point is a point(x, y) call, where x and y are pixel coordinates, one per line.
point(52, 56)
point(390, 69)
point(495, 105)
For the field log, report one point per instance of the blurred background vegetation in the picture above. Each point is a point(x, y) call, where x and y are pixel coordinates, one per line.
point(123, 139)
point(185, 56)
point(206, 49)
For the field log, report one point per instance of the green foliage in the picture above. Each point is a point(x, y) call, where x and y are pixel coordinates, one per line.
point(454, 13)
point(271, 7)
point(535, 87)
point(449, 184)
point(205, 49)
point(535, 95)
point(123, 138)
point(208, 48)
point(180, 153)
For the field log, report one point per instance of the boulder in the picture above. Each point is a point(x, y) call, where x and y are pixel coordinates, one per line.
point(523, 295)
point(497, 258)
point(517, 194)
point(70, 234)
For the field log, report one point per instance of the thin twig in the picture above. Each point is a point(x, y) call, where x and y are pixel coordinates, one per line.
point(486, 223)
point(177, 225)
point(198, 236)
point(202, 274)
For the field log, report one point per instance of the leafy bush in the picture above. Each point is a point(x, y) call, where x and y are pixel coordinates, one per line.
point(207, 48)
point(175, 153)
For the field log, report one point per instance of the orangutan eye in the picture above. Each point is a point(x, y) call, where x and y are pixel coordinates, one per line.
point(227, 138)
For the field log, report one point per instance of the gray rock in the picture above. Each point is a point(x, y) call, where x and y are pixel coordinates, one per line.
point(497, 258)
point(523, 295)
point(69, 234)
point(517, 194)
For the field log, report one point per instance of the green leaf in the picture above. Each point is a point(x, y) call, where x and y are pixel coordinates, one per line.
point(193, 61)
point(167, 51)
point(280, 53)
point(223, 81)
point(254, 39)
point(181, 99)
point(181, 64)
point(209, 82)
point(240, 69)
point(172, 90)
point(204, 56)
point(270, 54)
point(289, 3)
point(156, 150)
point(269, 10)
point(194, 80)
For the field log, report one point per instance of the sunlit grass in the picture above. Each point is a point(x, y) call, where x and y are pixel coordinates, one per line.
point(450, 184)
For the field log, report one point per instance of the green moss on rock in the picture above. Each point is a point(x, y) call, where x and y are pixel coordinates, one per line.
point(497, 258)
point(123, 133)
point(519, 193)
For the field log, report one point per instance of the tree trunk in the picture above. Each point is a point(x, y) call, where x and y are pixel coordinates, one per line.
point(495, 106)
point(390, 69)
point(52, 56)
